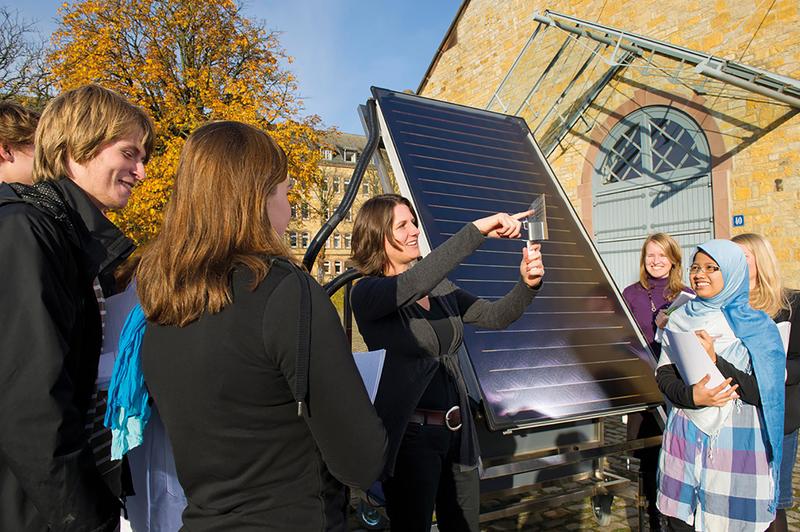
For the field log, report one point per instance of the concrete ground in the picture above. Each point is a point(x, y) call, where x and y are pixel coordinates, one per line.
point(579, 516)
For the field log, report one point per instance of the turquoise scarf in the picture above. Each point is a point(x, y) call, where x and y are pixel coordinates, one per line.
point(128, 411)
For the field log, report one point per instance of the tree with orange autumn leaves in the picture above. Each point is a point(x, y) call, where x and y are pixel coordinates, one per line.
point(185, 62)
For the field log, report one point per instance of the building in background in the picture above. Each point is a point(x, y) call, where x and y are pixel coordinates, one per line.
point(665, 115)
point(314, 205)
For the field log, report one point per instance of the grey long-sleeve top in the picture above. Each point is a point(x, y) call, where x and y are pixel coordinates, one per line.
point(388, 318)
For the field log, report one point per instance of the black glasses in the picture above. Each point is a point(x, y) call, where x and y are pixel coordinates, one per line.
point(708, 269)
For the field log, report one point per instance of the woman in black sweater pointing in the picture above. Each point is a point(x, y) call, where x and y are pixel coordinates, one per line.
point(417, 315)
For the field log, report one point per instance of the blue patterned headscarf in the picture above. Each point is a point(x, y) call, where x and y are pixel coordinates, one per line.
point(757, 332)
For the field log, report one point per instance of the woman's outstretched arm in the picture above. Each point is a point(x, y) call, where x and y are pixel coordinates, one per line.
point(376, 297)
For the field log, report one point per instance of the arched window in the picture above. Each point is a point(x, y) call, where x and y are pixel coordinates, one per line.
point(652, 174)
point(655, 142)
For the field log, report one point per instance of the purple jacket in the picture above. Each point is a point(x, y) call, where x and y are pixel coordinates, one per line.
point(639, 301)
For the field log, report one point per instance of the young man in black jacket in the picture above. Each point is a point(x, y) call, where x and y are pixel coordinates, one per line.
point(57, 256)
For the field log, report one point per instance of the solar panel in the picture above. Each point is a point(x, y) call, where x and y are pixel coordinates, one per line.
point(575, 353)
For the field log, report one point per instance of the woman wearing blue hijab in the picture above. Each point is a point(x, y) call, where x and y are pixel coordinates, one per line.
point(722, 446)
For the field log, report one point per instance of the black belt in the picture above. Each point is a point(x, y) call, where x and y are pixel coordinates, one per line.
point(449, 418)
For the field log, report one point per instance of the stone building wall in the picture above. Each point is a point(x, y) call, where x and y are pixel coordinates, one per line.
point(754, 141)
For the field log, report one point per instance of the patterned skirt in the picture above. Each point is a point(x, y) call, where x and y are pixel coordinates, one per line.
point(717, 483)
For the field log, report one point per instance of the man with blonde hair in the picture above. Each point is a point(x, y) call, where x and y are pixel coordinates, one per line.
point(17, 128)
point(58, 252)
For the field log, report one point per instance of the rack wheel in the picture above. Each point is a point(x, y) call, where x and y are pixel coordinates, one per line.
point(371, 517)
point(601, 508)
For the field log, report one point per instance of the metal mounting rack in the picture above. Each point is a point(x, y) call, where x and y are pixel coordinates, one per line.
point(626, 49)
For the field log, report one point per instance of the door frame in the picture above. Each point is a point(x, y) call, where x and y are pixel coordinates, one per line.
point(721, 166)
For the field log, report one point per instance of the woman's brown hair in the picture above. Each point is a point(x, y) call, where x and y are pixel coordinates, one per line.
point(373, 227)
point(216, 219)
point(673, 252)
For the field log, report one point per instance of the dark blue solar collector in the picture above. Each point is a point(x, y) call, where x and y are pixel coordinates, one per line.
point(575, 353)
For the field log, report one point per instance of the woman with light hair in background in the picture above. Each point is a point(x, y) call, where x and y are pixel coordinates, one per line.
point(767, 293)
point(660, 281)
point(17, 129)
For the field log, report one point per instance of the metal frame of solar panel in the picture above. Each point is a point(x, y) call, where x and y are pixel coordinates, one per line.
point(576, 352)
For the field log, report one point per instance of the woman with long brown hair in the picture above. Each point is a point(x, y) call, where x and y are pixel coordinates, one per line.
point(767, 293)
point(408, 307)
point(244, 354)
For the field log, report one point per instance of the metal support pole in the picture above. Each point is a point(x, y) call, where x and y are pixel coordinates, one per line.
point(781, 88)
point(352, 190)
point(514, 66)
point(593, 94)
point(347, 310)
point(544, 73)
point(585, 33)
point(706, 70)
point(567, 88)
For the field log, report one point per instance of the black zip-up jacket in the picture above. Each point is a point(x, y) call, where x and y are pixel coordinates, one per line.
point(224, 385)
point(53, 243)
point(792, 418)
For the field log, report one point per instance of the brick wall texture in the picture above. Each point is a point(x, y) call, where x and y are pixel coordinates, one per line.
point(754, 140)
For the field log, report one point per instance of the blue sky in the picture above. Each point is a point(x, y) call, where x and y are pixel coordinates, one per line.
point(340, 47)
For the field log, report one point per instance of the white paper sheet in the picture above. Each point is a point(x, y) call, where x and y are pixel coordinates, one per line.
point(785, 328)
point(687, 353)
point(680, 300)
point(117, 309)
point(370, 366)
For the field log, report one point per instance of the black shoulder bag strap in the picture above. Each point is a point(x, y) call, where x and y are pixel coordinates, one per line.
point(303, 355)
point(303, 343)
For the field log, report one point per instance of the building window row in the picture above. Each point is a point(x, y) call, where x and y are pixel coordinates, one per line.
point(299, 239)
point(303, 210)
point(338, 267)
point(337, 241)
point(346, 154)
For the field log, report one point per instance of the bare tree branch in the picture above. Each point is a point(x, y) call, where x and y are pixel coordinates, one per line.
point(22, 66)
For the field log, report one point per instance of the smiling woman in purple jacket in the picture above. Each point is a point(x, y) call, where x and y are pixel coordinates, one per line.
point(660, 281)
